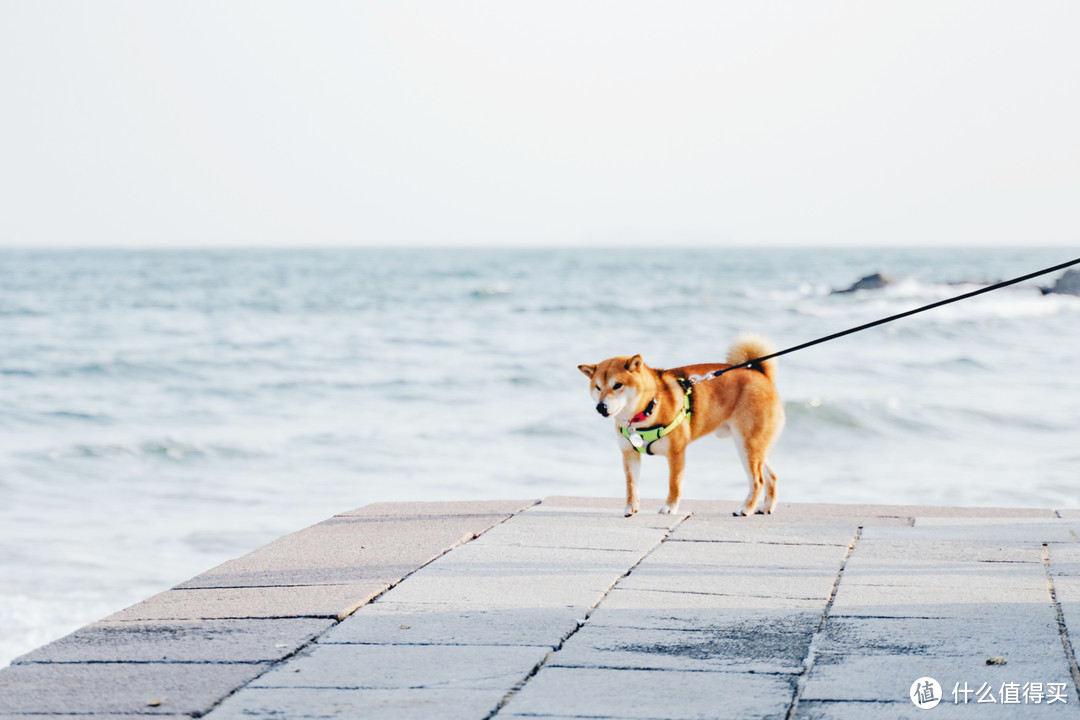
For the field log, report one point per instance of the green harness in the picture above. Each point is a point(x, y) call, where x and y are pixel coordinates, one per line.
point(642, 440)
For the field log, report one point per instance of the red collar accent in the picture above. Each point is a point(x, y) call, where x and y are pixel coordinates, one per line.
point(644, 414)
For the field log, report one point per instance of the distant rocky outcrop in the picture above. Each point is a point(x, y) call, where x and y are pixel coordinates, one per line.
point(870, 282)
point(1067, 284)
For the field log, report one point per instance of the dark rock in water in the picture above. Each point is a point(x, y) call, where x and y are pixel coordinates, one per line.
point(870, 282)
point(1067, 284)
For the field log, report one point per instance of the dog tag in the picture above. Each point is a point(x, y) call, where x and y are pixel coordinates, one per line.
point(636, 440)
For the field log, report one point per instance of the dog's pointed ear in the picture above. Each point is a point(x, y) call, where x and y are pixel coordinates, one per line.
point(634, 363)
point(589, 370)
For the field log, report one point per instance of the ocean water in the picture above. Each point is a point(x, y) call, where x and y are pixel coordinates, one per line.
point(162, 412)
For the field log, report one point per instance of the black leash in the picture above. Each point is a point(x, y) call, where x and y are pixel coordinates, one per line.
point(867, 326)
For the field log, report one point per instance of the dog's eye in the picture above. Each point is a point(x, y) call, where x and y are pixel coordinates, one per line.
point(598, 388)
point(616, 386)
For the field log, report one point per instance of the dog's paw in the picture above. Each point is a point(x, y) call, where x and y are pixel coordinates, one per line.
point(669, 509)
point(741, 513)
point(630, 510)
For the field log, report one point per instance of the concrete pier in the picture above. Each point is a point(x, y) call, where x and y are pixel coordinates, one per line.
point(565, 609)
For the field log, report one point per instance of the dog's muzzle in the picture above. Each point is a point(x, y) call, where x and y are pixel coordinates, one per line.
point(602, 409)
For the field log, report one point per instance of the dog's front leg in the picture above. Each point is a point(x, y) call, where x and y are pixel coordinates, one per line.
point(676, 462)
point(631, 460)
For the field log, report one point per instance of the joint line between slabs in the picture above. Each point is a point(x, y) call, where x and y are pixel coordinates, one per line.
point(759, 542)
point(588, 614)
point(811, 651)
point(1063, 629)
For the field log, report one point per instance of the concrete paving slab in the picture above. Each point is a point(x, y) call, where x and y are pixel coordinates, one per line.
point(441, 508)
point(1065, 560)
point(345, 550)
point(900, 608)
point(936, 580)
point(787, 583)
point(752, 569)
point(725, 508)
point(386, 667)
point(757, 647)
point(91, 716)
point(1066, 587)
point(93, 688)
point(889, 677)
point(854, 710)
point(765, 529)
point(998, 533)
point(691, 556)
point(1016, 637)
point(868, 515)
point(791, 511)
point(1072, 621)
point(649, 506)
point(543, 527)
point(706, 615)
point(339, 703)
point(915, 550)
point(892, 601)
point(798, 510)
point(653, 694)
point(515, 577)
point(479, 559)
point(980, 521)
point(946, 574)
point(604, 508)
point(664, 602)
point(516, 589)
point(182, 641)
point(1067, 593)
point(332, 601)
point(391, 623)
point(906, 710)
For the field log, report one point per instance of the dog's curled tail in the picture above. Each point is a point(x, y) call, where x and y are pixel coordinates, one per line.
point(750, 346)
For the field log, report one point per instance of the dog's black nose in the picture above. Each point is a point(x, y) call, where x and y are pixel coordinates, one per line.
point(602, 409)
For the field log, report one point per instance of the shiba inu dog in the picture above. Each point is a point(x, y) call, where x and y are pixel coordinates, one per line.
point(660, 412)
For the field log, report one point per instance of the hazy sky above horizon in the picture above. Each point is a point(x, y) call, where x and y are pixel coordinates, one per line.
point(261, 123)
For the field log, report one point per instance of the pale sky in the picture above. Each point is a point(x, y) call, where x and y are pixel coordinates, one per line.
point(505, 123)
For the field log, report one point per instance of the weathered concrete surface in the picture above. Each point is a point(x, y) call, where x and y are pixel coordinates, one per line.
point(323, 601)
point(346, 549)
point(181, 652)
point(565, 609)
point(213, 641)
point(148, 688)
point(482, 618)
point(599, 692)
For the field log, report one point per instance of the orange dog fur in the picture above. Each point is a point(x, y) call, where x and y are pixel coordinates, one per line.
point(742, 404)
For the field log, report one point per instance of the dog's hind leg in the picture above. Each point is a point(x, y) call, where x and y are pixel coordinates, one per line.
point(770, 488)
point(632, 466)
point(753, 461)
